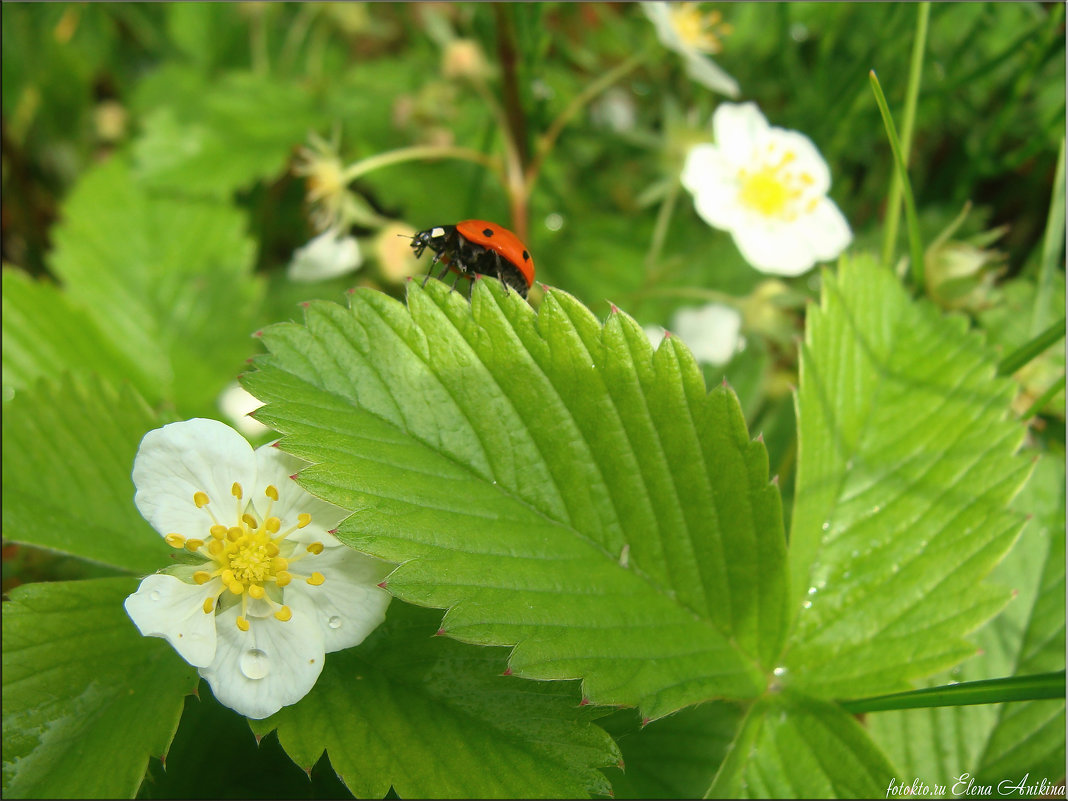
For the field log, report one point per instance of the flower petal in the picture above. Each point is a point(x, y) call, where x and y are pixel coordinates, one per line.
point(326, 256)
point(349, 604)
point(175, 461)
point(164, 606)
point(779, 249)
point(710, 331)
point(709, 74)
point(275, 467)
point(273, 664)
point(827, 231)
point(738, 128)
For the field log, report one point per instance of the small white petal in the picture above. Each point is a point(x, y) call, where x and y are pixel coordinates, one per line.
point(709, 74)
point(236, 402)
point(326, 256)
point(827, 231)
point(775, 249)
point(710, 331)
point(349, 604)
point(175, 461)
point(738, 128)
point(655, 334)
point(276, 467)
point(273, 664)
point(164, 606)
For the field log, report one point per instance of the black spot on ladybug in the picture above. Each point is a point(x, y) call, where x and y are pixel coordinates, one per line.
point(526, 256)
point(487, 232)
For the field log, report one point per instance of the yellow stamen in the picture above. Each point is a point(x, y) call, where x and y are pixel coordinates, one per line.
point(282, 578)
point(218, 531)
point(249, 520)
point(256, 591)
point(271, 492)
point(284, 614)
point(272, 549)
point(233, 533)
point(193, 545)
point(202, 577)
point(315, 548)
point(272, 524)
point(209, 604)
point(215, 547)
point(242, 624)
point(303, 519)
point(236, 491)
point(200, 499)
point(316, 579)
point(279, 565)
point(237, 588)
point(175, 540)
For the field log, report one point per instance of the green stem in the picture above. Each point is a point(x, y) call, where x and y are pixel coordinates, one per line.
point(663, 221)
point(915, 242)
point(893, 199)
point(1022, 355)
point(992, 691)
point(1043, 399)
point(1052, 243)
point(416, 153)
point(548, 139)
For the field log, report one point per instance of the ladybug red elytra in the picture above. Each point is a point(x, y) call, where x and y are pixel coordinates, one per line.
point(478, 246)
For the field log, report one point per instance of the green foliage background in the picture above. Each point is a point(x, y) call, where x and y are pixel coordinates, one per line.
point(643, 598)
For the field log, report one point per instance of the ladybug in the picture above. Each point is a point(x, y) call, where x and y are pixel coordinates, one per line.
point(478, 247)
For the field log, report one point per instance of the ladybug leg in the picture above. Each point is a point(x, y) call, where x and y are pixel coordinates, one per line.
point(500, 271)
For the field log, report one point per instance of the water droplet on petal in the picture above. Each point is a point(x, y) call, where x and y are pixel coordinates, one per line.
point(334, 622)
point(154, 595)
point(254, 663)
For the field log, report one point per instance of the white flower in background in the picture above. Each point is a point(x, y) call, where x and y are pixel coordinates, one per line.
point(711, 332)
point(273, 592)
point(694, 35)
point(768, 187)
point(326, 256)
point(237, 403)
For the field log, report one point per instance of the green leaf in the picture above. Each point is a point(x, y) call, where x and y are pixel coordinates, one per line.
point(906, 468)
point(168, 279)
point(411, 695)
point(797, 747)
point(674, 757)
point(46, 333)
point(86, 699)
point(549, 480)
point(939, 745)
point(68, 452)
point(242, 129)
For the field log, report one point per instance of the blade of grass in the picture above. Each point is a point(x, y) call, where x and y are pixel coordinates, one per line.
point(1052, 243)
point(912, 92)
point(991, 691)
point(915, 243)
point(1043, 399)
point(1029, 350)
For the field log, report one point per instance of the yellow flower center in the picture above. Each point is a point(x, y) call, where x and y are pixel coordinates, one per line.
point(247, 556)
point(703, 32)
point(773, 188)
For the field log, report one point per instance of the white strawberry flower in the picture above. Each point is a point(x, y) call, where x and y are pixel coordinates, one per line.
point(768, 187)
point(694, 35)
point(270, 591)
point(328, 255)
